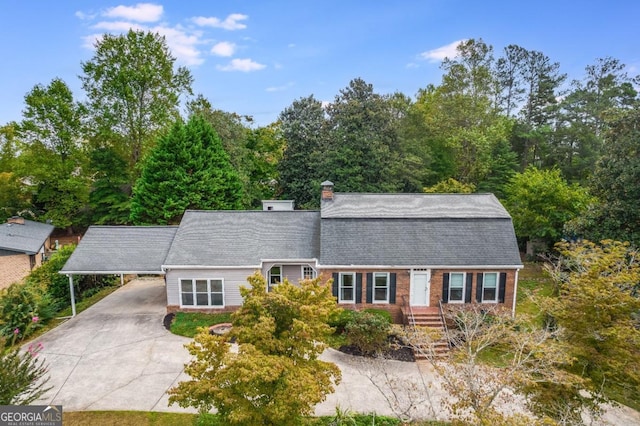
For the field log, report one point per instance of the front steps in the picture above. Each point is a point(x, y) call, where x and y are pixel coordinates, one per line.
point(427, 317)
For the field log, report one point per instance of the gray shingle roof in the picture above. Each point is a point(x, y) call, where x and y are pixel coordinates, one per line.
point(461, 206)
point(244, 238)
point(24, 238)
point(121, 249)
point(429, 242)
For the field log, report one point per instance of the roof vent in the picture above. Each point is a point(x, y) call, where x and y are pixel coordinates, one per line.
point(280, 205)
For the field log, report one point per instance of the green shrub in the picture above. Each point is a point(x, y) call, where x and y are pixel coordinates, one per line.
point(57, 285)
point(47, 276)
point(24, 307)
point(380, 312)
point(368, 332)
point(340, 318)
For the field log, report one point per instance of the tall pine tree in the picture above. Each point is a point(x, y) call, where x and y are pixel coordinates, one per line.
point(188, 169)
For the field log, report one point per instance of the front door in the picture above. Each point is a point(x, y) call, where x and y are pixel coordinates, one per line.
point(420, 288)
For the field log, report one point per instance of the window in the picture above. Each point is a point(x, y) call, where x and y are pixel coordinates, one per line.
point(347, 290)
point(308, 273)
point(202, 292)
point(490, 287)
point(381, 287)
point(275, 276)
point(456, 287)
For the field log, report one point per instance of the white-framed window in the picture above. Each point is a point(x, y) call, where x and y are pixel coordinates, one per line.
point(456, 287)
point(202, 292)
point(347, 287)
point(275, 276)
point(380, 287)
point(490, 287)
point(308, 273)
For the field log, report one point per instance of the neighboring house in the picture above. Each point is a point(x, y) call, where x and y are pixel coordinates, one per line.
point(22, 248)
point(389, 251)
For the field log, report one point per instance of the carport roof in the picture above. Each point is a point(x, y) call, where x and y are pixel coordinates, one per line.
point(121, 250)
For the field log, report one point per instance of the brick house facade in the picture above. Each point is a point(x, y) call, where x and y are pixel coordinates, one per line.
point(385, 251)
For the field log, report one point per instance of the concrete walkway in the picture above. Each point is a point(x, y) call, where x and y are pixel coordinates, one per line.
point(117, 355)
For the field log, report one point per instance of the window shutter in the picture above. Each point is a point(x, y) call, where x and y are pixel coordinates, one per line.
point(392, 288)
point(503, 287)
point(479, 279)
point(467, 290)
point(334, 286)
point(445, 287)
point(369, 287)
point(358, 288)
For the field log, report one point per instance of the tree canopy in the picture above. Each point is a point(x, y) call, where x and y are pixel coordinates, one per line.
point(188, 169)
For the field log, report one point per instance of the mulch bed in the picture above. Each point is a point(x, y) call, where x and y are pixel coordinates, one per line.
point(167, 320)
point(396, 351)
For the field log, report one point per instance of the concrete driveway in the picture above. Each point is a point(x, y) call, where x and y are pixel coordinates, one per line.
point(116, 355)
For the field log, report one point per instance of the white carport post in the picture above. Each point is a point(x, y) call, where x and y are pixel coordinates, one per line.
point(73, 296)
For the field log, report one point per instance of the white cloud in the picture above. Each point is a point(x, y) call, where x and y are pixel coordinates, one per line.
point(440, 53)
point(88, 42)
point(279, 88)
point(224, 48)
point(141, 12)
point(230, 23)
point(84, 16)
point(183, 45)
point(244, 65)
point(118, 26)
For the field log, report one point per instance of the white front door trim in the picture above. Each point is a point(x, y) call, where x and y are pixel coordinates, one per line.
point(420, 287)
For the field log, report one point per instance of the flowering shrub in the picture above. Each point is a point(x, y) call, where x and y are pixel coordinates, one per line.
point(22, 309)
point(22, 375)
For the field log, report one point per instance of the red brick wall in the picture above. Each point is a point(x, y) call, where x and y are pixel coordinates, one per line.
point(14, 268)
point(403, 287)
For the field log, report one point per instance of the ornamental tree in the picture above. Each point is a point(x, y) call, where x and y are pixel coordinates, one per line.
point(275, 377)
point(597, 310)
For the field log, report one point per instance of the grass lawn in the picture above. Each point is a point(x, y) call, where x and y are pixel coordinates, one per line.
point(532, 280)
point(142, 418)
point(187, 323)
point(126, 418)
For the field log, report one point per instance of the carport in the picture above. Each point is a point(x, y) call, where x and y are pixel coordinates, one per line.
point(119, 250)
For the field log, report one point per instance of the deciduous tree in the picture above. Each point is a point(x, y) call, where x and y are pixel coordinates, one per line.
point(541, 202)
point(133, 91)
point(52, 159)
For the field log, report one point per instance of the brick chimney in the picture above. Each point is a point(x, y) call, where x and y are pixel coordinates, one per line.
point(16, 220)
point(327, 191)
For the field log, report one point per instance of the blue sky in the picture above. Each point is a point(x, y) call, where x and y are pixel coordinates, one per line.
point(257, 57)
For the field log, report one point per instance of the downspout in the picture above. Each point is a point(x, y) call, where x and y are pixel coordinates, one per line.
point(515, 294)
